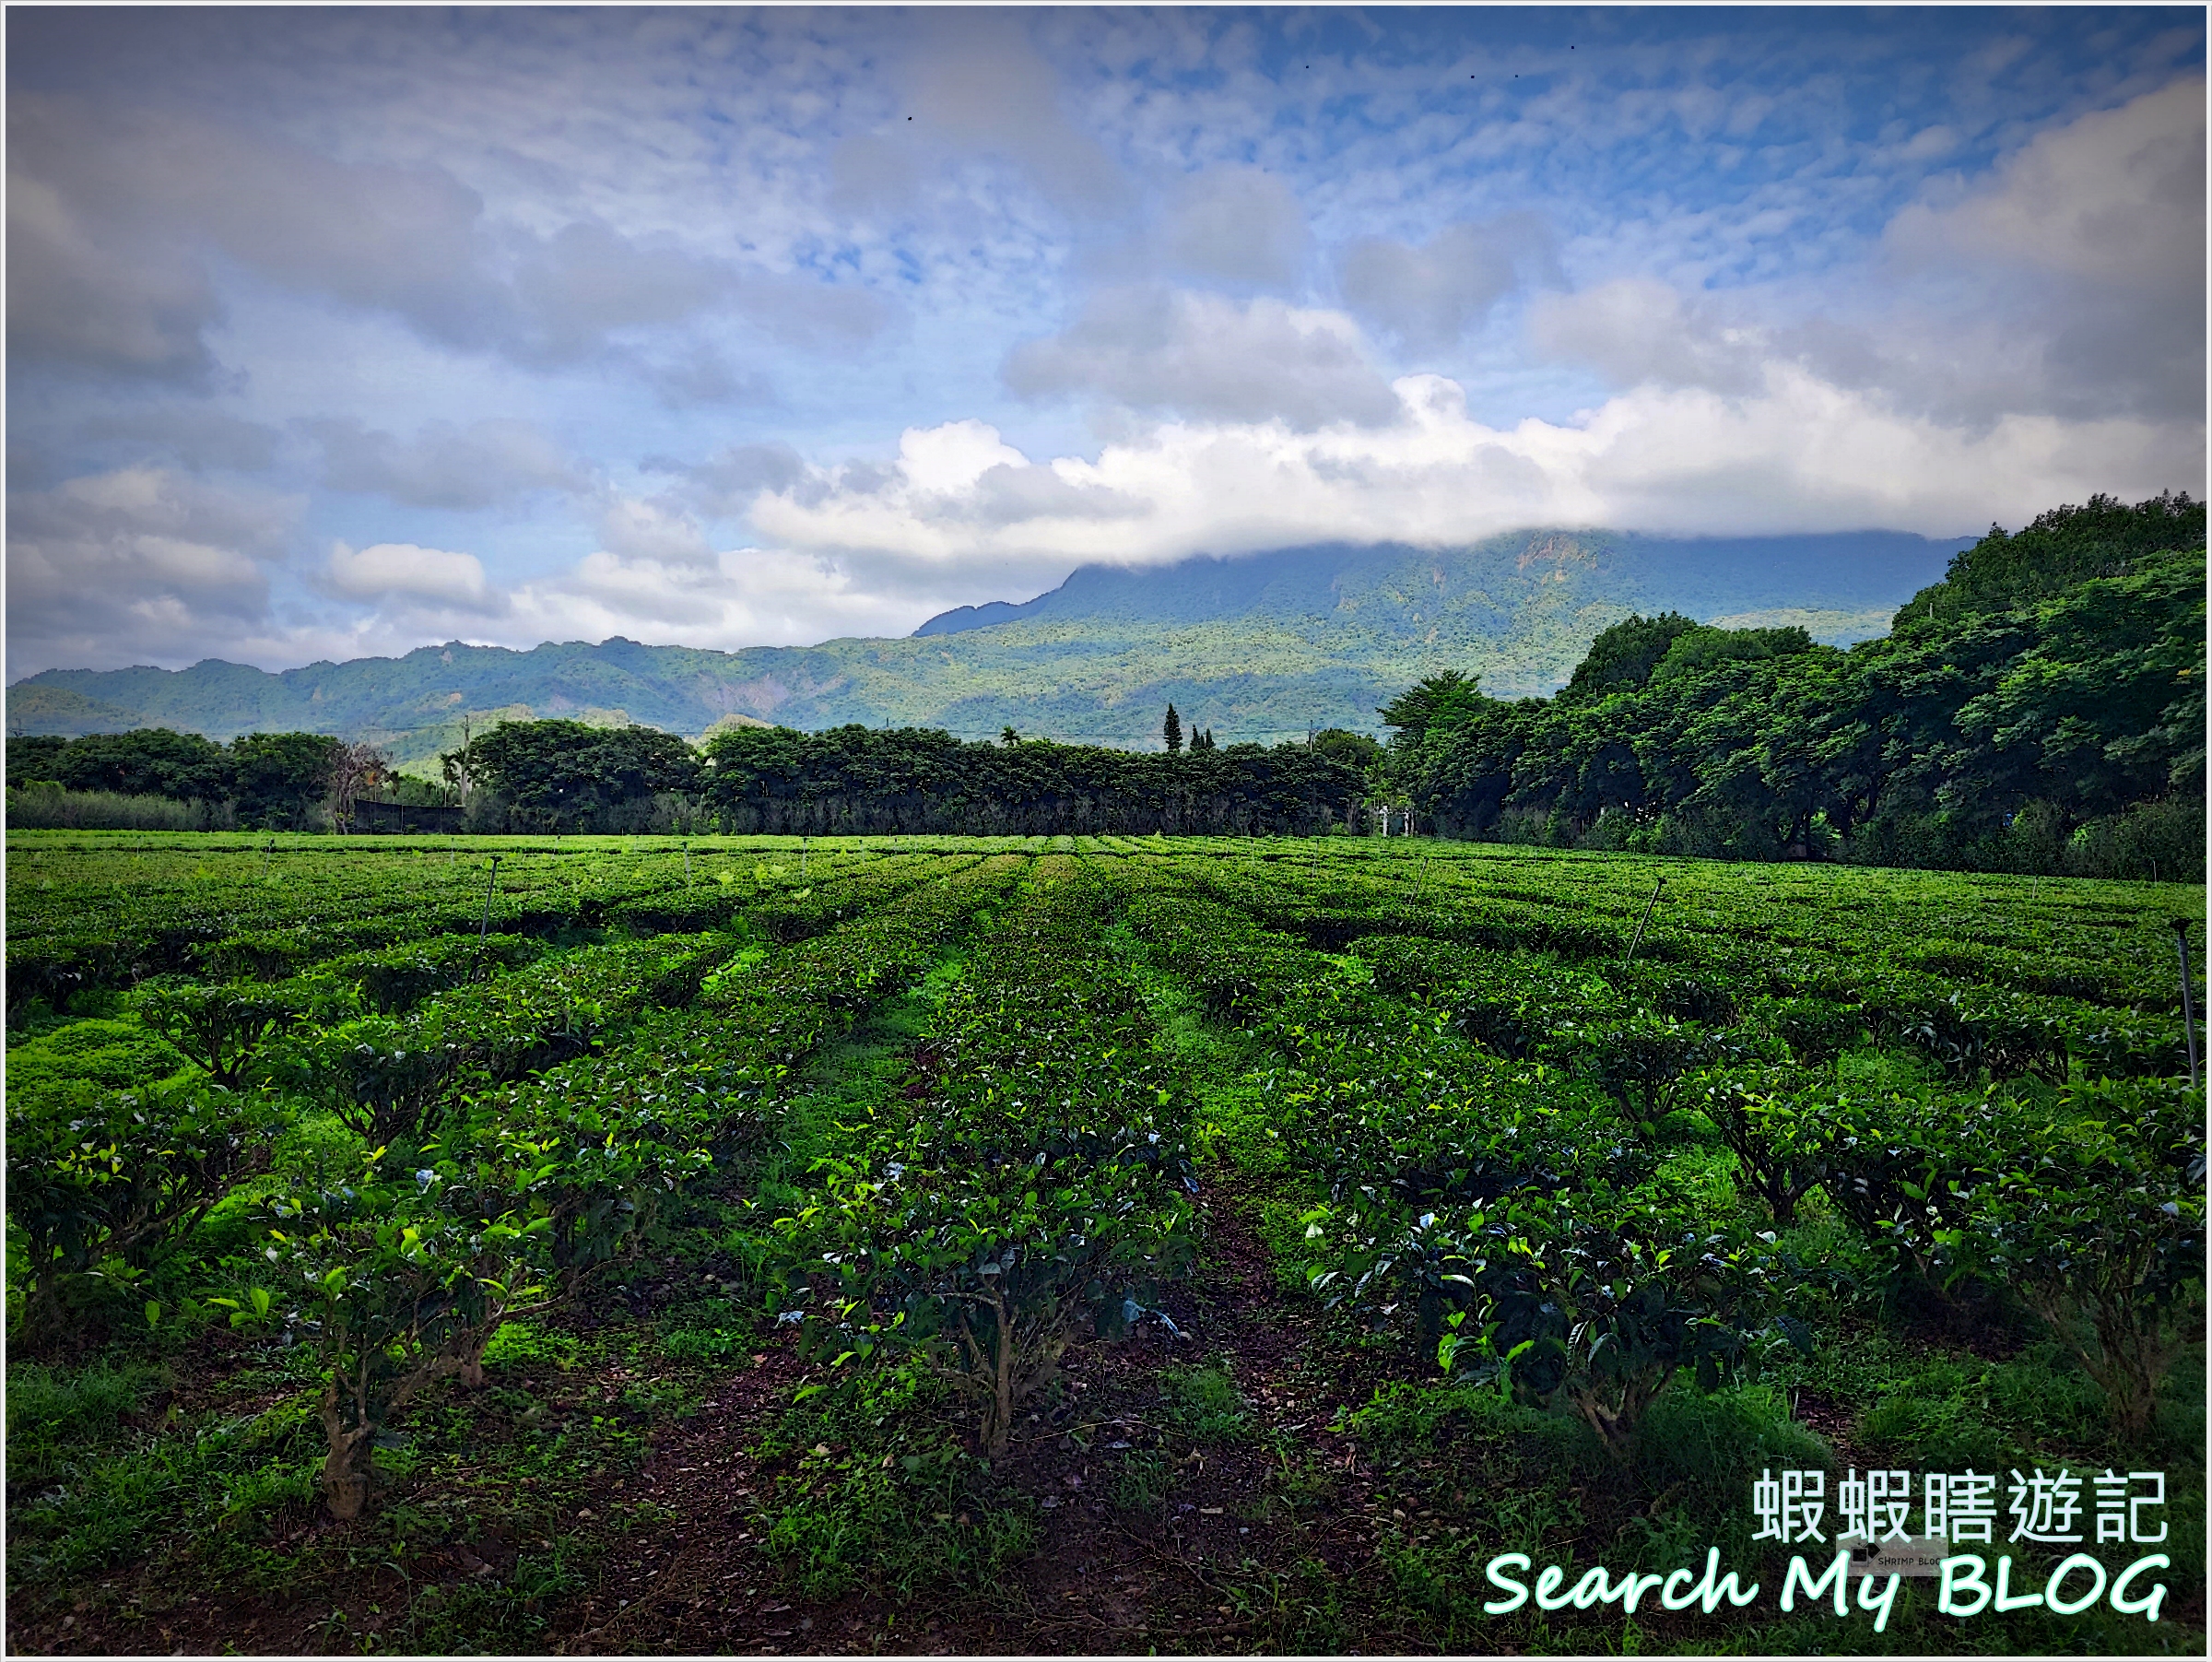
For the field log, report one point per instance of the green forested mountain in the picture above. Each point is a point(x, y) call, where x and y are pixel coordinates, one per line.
point(1257, 648)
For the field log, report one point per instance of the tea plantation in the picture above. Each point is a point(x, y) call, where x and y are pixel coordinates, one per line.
point(1091, 1244)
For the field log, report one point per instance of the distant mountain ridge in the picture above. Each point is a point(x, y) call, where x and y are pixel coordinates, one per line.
point(1842, 573)
point(1255, 646)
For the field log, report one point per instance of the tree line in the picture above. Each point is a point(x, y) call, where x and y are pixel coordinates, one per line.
point(565, 776)
point(555, 775)
point(2041, 708)
point(257, 781)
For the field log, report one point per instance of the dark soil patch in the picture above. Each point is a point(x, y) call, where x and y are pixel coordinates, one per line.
point(1203, 1570)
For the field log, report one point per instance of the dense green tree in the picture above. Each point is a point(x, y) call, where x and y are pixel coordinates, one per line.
point(857, 779)
point(280, 779)
point(1624, 656)
point(33, 756)
point(146, 762)
point(408, 791)
point(2105, 537)
point(1466, 780)
point(1698, 649)
point(2107, 704)
point(1170, 731)
point(565, 775)
point(1353, 750)
point(2002, 714)
point(1432, 704)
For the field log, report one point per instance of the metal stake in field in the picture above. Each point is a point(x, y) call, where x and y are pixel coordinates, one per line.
point(2181, 945)
point(484, 929)
point(1635, 939)
point(687, 865)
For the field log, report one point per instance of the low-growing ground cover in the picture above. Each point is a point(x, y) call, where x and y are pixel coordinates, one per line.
point(1075, 1245)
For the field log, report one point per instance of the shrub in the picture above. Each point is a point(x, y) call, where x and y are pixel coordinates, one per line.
point(221, 1026)
point(48, 807)
point(992, 1271)
point(1775, 1132)
point(1605, 1303)
point(2097, 1219)
point(400, 1278)
point(126, 1182)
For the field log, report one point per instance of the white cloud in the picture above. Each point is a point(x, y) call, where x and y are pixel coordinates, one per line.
point(2087, 248)
point(2117, 195)
point(100, 298)
point(871, 174)
point(731, 600)
point(742, 597)
point(114, 212)
point(416, 574)
point(653, 529)
point(633, 232)
point(1206, 356)
point(196, 438)
point(1791, 452)
point(725, 483)
point(1635, 331)
point(942, 460)
point(2068, 282)
point(978, 88)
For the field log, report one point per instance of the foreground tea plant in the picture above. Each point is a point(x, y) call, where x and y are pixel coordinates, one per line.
point(928, 1132)
point(1605, 1302)
point(399, 1277)
point(113, 1190)
point(994, 1273)
point(2092, 1209)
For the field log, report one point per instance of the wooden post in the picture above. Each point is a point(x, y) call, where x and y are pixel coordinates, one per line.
point(2181, 945)
point(484, 929)
point(1636, 939)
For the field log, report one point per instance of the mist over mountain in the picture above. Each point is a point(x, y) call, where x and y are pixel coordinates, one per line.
point(1256, 647)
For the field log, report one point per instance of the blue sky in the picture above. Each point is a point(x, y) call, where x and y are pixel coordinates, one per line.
point(341, 331)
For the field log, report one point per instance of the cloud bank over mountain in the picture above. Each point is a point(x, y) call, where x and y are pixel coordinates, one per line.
point(339, 332)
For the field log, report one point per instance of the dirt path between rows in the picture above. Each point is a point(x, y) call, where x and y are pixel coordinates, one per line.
point(1194, 1572)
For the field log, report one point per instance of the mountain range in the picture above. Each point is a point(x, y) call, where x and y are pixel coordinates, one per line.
point(1259, 646)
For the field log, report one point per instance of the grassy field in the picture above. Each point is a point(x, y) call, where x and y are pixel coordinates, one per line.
point(938, 1245)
